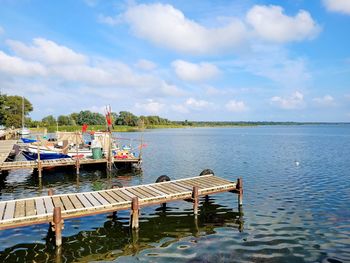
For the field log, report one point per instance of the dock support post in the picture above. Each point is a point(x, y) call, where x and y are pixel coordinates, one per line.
point(58, 222)
point(195, 200)
point(134, 220)
point(38, 160)
point(239, 188)
point(77, 165)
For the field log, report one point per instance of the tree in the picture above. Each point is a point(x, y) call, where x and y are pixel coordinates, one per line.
point(127, 118)
point(11, 110)
point(65, 120)
point(49, 120)
point(91, 118)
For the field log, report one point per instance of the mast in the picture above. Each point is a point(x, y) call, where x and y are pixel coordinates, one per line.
point(22, 112)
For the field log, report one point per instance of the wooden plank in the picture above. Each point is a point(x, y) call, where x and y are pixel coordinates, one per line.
point(164, 190)
point(57, 202)
point(30, 207)
point(130, 195)
point(137, 193)
point(9, 210)
point(48, 204)
point(119, 196)
point(40, 207)
point(184, 186)
point(176, 188)
point(149, 192)
point(100, 198)
point(20, 209)
point(165, 186)
point(75, 201)
point(2, 209)
point(152, 189)
point(109, 198)
point(92, 199)
point(83, 200)
point(67, 203)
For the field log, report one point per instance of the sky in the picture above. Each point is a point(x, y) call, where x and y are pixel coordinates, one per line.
point(238, 60)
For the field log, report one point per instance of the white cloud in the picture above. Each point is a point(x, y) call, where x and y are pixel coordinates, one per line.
point(340, 6)
point(168, 27)
point(325, 101)
point(150, 107)
point(194, 72)
point(197, 104)
point(271, 24)
point(295, 101)
point(145, 64)
point(236, 106)
point(47, 52)
point(19, 67)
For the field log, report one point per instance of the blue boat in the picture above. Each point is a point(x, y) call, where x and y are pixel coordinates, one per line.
point(44, 156)
point(27, 140)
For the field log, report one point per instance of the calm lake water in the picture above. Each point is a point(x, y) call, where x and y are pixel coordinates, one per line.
point(296, 201)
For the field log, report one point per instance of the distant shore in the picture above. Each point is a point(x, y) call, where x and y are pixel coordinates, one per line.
point(124, 128)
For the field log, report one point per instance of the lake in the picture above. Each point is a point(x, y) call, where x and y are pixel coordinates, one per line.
point(296, 205)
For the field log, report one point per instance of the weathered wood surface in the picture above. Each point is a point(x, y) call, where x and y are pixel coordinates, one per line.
point(37, 210)
point(6, 147)
point(59, 162)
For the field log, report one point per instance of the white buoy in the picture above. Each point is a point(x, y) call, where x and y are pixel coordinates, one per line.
point(297, 163)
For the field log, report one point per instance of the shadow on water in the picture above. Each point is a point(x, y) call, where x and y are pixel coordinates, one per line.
point(115, 239)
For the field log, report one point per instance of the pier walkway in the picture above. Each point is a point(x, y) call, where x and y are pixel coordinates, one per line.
point(6, 147)
point(55, 208)
point(6, 166)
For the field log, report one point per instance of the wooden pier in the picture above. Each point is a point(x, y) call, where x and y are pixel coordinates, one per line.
point(54, 209)
point(6, 166)
point(6, 147)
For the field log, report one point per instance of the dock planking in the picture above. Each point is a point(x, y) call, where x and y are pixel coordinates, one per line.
point(38, 210)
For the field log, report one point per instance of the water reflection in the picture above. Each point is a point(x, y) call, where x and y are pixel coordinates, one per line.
point(114, 239)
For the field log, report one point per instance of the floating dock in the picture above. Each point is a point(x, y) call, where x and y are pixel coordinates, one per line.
point(54, 209)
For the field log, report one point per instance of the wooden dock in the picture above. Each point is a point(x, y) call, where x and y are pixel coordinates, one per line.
point(6, 147)
point(55, 208)
point(6, 166)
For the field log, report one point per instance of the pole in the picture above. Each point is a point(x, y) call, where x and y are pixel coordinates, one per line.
point(195, 200)
point(57, 220)
point(38, 159)
point(134, 220)
point(239, 188)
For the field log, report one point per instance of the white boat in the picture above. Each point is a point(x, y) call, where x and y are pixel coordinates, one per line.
point(23, 130)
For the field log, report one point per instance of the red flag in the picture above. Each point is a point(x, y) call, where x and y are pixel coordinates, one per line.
point(84, 128)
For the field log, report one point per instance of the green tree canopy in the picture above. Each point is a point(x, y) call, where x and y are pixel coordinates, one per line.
point(11, 110)
point(91, 118)
point(49, 120)
point(126, 118)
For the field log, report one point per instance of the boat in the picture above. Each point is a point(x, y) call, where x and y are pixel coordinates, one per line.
point(23, 130)
point(27, 140)
point(43, 156)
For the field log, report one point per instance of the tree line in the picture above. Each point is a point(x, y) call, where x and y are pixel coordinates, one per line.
point(11, 116)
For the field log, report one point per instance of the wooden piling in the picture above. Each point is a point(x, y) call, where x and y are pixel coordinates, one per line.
point(134, 220)
point(58, 222)
point(50, 192)
point(239, 188)
point(195, 199)
point(40, 168)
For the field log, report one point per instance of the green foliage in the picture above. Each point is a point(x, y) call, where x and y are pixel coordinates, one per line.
point(11, 110)
point(126, 118)
point(48, 120)
point(90, 118)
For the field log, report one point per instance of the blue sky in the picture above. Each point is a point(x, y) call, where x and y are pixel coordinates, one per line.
point(233, 60)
